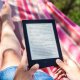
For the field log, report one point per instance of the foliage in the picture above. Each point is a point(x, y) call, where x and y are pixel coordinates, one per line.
point(71, 8)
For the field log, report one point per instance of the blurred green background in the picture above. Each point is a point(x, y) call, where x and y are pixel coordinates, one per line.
point(71, 8)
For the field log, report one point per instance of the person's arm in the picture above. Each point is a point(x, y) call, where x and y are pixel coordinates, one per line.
point(22, 72)
point(70, 67)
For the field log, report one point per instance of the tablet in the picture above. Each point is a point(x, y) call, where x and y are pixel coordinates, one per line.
point(42, 42)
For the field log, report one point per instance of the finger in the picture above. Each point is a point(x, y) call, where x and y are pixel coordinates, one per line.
point(65, 78)
point(61, 76)
point(61, 64)
point(34, 69)
point(24, 60)
point(65, 54)
point(55, 76)
point(58, 74)
point(58, 70)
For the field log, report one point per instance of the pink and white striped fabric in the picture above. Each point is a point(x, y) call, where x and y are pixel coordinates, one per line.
point(68, 31)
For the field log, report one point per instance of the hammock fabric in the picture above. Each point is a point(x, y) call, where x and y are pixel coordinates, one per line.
point(68, 31)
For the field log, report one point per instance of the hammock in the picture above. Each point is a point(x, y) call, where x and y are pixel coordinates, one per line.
point(68, 31)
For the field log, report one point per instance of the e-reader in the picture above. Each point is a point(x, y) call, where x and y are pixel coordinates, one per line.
point(42, 42)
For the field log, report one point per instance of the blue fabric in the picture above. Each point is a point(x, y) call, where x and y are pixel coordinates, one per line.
point(42, 76)
point(8, 74)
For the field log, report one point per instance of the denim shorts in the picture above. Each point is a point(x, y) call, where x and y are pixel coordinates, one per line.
point(9, 73)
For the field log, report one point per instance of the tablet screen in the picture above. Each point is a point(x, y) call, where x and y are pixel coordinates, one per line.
point(42, 41)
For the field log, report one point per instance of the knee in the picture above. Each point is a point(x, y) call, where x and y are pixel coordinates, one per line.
point(7, 35)
point(7, 32)
point(8, 51)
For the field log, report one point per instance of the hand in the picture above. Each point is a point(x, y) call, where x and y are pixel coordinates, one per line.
point(70, 67)
point(59, 74)
point(24, 74)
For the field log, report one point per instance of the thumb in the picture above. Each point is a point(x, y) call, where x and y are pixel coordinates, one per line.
point(34, 69)
point(61, 64)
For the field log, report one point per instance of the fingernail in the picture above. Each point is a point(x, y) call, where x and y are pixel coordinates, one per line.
point(58, 61)
point(37, 65)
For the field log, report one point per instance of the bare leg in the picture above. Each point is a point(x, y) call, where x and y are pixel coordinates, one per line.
point(10, 45)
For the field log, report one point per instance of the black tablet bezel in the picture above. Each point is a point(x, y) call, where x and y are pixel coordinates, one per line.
point(42, 62)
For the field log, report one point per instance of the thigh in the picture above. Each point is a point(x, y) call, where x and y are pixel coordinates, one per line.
point(10, 58)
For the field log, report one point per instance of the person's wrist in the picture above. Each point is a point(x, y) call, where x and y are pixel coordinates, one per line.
point(77, 75)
